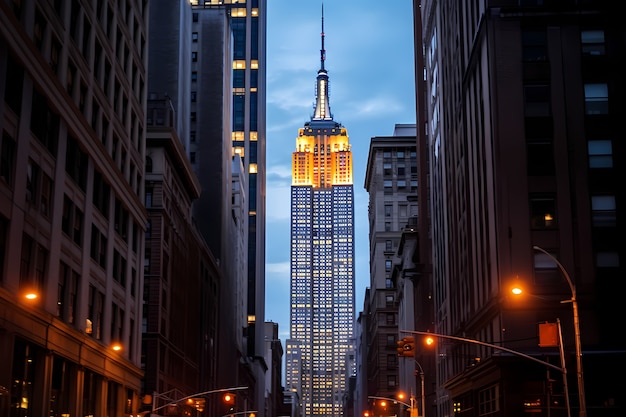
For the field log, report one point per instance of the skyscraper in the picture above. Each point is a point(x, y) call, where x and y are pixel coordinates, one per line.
point(72, 219)
point(228, 120)
point(322, 256)
point(525, 105)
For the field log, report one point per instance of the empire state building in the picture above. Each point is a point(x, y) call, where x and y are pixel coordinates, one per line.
point(322, 259)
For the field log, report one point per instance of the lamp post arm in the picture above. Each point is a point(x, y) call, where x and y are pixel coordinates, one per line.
point(197, 394)
point(478, 342)
point(389, 399)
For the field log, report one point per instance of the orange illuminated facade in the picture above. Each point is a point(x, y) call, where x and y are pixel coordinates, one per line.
point(322, 158)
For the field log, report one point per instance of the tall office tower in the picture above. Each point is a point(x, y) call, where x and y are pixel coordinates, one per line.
point(227, 119)
point(72, 219)
point(182, 278)
point(322, 255)
point(391, 182)
point(525, 104)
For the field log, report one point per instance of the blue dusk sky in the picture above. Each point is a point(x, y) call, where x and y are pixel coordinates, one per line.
point(369, 59)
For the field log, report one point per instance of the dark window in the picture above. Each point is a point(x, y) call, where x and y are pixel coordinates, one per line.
point(539, 158)
point(7, 159)
point(13, 84)
point(67, 293)
point(238, 25)
point(63, 374)
point(253, 111)
point(44, 123)
point(534, 45)
point(239, 79)
point(537, 100)
point(387, 168)
point(4, 232)
point(401, 170)
point(101, 193)
point(254, 37)
point(238, 112)
point(76, 162)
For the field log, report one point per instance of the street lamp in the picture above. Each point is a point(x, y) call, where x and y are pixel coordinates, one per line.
point(579, 363)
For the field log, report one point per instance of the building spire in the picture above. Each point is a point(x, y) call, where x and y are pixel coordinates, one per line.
point(322, 51)
point(322, 104)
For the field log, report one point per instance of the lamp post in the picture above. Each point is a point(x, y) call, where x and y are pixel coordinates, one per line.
point(422, 396)
point(579, 363)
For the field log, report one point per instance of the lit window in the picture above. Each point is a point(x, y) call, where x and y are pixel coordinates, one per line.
point(237, 136)
point(253, 169)
point(542, 212)
point(254, 64)
point(238, 12)
point(254, 136)
point(239, 64)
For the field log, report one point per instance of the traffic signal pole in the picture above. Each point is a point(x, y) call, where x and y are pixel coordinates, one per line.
point(478, 342)
point(198, 394)
point(562, 369)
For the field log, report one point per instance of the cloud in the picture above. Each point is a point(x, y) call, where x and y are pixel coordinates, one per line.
point(278, 270)
point(278, 202)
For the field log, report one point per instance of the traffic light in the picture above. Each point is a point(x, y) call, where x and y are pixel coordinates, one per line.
point(228, 404)
point(406, 347)
point(429, 341)
point(228, 398)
